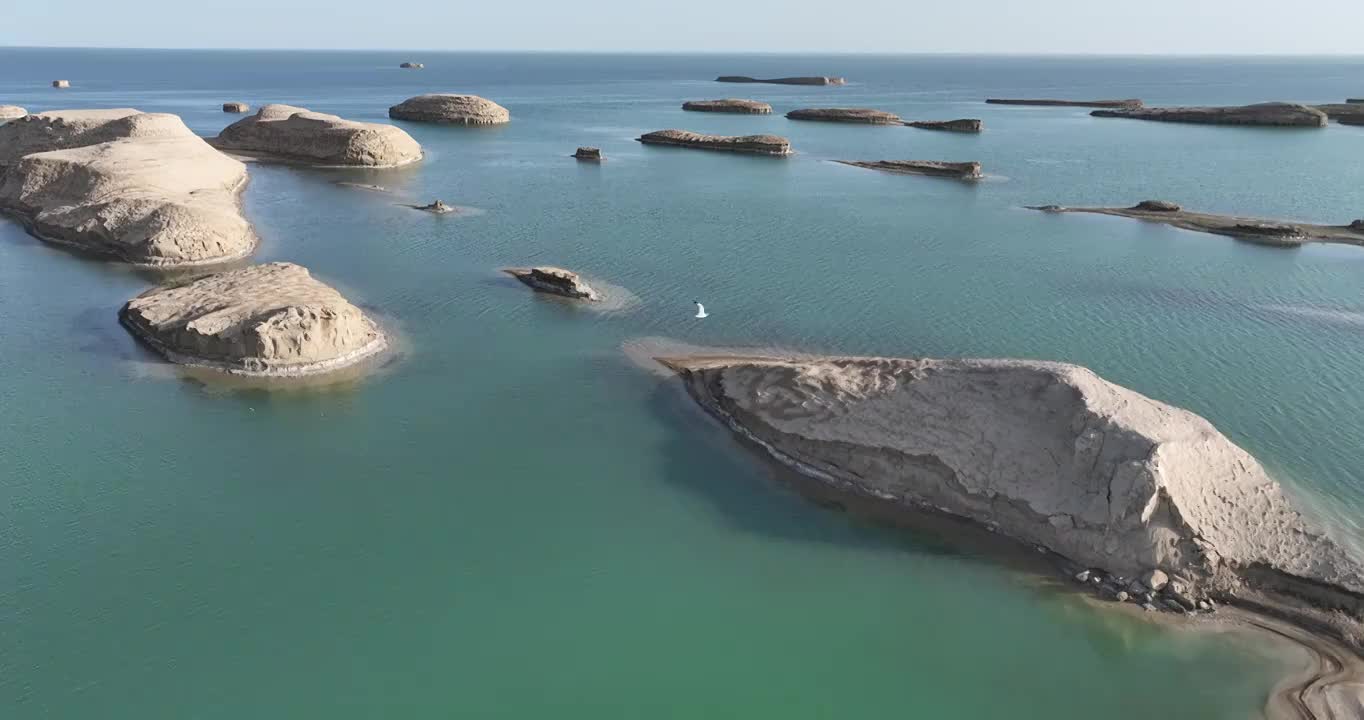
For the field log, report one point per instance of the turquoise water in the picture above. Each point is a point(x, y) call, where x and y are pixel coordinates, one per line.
point(513, 520)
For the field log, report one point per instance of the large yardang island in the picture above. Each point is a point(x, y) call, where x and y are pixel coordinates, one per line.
point(450, 109)
point(11, 112)
point(294, 134)
point(1047, 454)
point(964, 125)
point(555, 281)
point(272, 320)
point(136, 187)
point(932, 168)
point(753, 144)
point(728, 105)
point(1048, 102)
point(809, 80)
point(1256, 230)
point(865, 116)
point(1272, 114)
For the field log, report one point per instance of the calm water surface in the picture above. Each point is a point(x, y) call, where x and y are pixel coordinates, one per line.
point(513, 521)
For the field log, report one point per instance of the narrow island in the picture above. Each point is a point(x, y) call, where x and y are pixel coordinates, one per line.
point(590, 154)
point(1261, 232)
point(411, 65)
point(555, 281)
point(292, 134)
point(931, 168)
point(236, 107)
point(728, 105)
point(753, 144)
point(124, 185)
point(450, 109)
point(1272, 114)
point(809, 80)
point(865, 116)
point(272, 320)
point(1047, 102)
point(1344, 113)
point(964, 125)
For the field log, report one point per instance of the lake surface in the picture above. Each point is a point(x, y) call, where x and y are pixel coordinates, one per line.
point(512, 520)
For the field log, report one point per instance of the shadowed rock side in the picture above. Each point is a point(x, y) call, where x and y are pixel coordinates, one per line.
point(411, 65)
point(1047, 454)
point(126, 185)
point(1354, 100)
point(755, 144)
point(556, 281)
point(589, 153)
point(1129, 103)
point(11, 112)
point(811, 80)
point(932, 168)
point(1259, 231)
point(297, 134)
point(965, 125)
point(450, 110)
point(1272, 114)
point(236, 107)
point(61, 84)
point(267, 320)
point(866, 116)
point(728, 105)
point(1345, 113)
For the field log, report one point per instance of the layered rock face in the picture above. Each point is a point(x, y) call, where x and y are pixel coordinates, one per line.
point(131, 186)
point(556, 281)
point(964, 125)
point(728, 105)
point(1263, 114)
point(756, 144)
point(270, 320)
point(588, 153)
point(61, 84)
point(450, 110)
point(865, 116)
point(1047, 102)
point(11, 112)
point(809, 80)
point(1046, 453)
point(933, 168)
point(298, 134)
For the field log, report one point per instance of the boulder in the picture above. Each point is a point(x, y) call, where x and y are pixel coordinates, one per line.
point(1155, 579)
point(811, 80)
point(268, 320)
point(556, 281)
point(1351, 121)
point(61, 83)
point(932, 168)
point(1157, 206)
point(1046, 102)
point(1274, 114)
point(236, 107)
point(965, 125)
point(728, 105)
point(588, 153)
point(411, 66)
point(755, 144)
point(11, 112)
point(297, 134)
point(135, 187)
point(450, 109)
point(866, 116)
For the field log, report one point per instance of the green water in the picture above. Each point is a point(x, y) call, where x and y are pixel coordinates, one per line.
point(513, 520)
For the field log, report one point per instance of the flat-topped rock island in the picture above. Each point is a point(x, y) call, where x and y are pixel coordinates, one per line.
point(804, 80)
point(1256, 230)
point(294, 134)
point(728, 105)
point(1049, 102)
point(864, 116)
point(1272, 114)
point(555, 281)
point(964, 125)
point(752, 144)
point(931, 168)
point(450, 109)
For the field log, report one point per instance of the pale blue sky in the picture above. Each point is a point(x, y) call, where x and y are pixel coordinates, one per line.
point(1001, 26)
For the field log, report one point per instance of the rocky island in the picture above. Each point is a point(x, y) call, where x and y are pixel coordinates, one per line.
point(1344, 113)
point(61, 84)
point(1139, 495)
point(1273, 114)
point(1255, 230)
point(589, 153)
point(556, 281)
point(136, 187)
point(436, 207)
point(865, 116)
point(11, 112)
point(755, 144)
point(932, 168)
point(809, 80)
point(1046, 102)
point(236, 107)
point(450, 110)
point(271, 320)
point(294, 134)
point(964, 125)
point(728, 105)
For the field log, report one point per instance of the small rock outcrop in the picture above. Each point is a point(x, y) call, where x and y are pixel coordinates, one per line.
point(61, 83)
point(809, 80)
point(755, 144)
point(964, 125)
point(236, 107)
point(297, 134)
point(11, 112)
point(1157, 206)
point(866, 116)
point(1047, 102)
point(411, 66)
point(1256, 230)
point(436, 208)
point(932, 168)
point(450, 109)
point(556, 281)
point(268, 320)
point(1272, 114)
point(135, 187)
point(589, 153)
point(728, 105)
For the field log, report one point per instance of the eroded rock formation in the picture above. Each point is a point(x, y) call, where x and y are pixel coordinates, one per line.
point(556, 281)
point(964, 125)
point(933, 168)
point(1263, 232)
point(728, 105)
point(810, 80)
point(297, 134)
point(1274, 114)
point(1046, 102)
point(866, 116)
point(450, 109)
point(11, 112)
point(755, 144)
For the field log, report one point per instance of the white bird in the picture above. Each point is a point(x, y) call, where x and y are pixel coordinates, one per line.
point(700, 309)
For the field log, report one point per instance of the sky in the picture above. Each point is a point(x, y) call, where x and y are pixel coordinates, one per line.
point(1231, 27)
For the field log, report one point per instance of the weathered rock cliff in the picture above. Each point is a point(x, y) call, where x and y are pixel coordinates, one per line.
point(728, 105)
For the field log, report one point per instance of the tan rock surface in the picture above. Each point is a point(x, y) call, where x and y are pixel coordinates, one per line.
point(451, 110)
point(556, 281)
point(755, 144)
point(297, 134)
point(866, 116)
point(728, 105)
point(271, 320)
